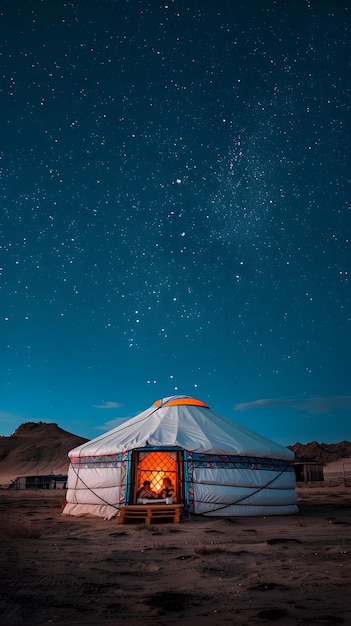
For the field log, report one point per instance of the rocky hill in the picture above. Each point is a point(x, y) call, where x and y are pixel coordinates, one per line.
point(321, 452)
point(36, 448)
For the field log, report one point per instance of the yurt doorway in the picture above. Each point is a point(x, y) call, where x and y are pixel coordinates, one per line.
point(155, 466)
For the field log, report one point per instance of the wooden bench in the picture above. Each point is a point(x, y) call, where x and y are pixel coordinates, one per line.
point(149, 514)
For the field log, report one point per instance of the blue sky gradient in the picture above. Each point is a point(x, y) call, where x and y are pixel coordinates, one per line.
point(175, 191)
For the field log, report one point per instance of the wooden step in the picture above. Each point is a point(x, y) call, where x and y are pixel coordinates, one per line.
point(149, 514)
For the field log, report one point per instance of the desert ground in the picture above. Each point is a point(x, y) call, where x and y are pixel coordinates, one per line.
point(289, 570)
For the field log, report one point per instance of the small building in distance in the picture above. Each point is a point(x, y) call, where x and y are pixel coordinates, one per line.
point(309, 471)
point(45, 481)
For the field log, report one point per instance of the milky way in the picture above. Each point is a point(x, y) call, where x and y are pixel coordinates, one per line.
point(175, 190)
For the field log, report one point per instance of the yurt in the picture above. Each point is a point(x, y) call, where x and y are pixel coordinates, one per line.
point(216, 466)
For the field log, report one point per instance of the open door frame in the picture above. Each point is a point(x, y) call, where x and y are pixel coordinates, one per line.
point(150, 465)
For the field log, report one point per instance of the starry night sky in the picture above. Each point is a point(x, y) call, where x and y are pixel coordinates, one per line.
point(175, 212)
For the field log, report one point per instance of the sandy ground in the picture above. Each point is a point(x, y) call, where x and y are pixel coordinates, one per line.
point(291, 570)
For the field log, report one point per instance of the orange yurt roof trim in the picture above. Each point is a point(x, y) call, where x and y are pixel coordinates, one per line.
point(180, 400)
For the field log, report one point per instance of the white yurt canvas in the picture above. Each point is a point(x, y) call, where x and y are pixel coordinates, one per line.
point(217, 467)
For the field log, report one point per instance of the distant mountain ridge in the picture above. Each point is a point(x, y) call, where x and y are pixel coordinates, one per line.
point(36, 448)
point(321, 452)
point(41, 448)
